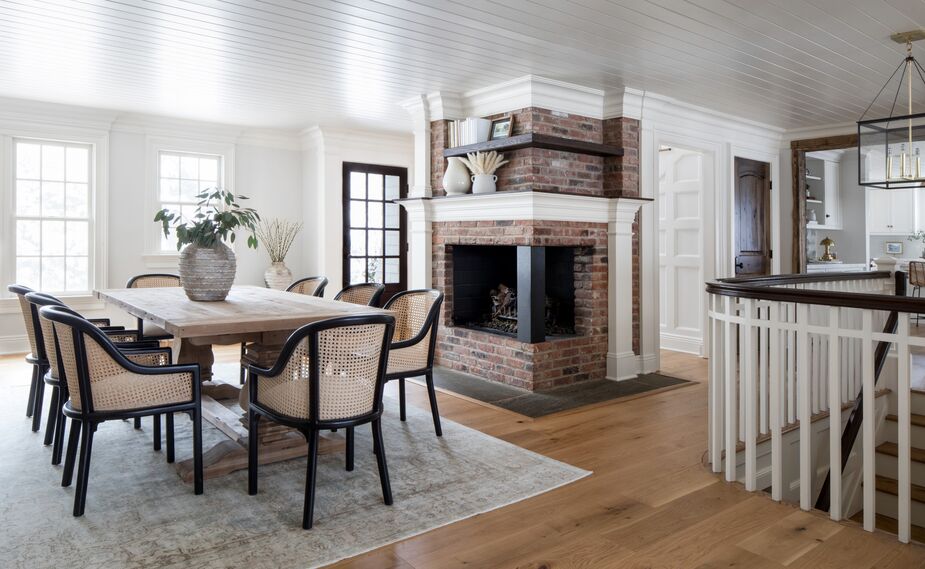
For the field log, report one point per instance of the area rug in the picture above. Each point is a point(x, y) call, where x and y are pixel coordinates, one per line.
point(140, 515)
point(540, 404)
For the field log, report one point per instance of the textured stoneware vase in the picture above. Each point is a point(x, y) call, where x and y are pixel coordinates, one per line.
point(278, 276)
point(456, 178)
point(207, 273)
point(484, 183)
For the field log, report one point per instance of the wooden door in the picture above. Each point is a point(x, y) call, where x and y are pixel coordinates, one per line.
point(752, 217)
point(375, 237)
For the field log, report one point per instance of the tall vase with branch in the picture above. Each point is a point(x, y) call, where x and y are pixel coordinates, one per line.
point(483, 166)
point(277, 236)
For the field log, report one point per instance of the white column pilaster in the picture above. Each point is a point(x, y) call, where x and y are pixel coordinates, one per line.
point(419, 109)
point(420, 242)
point(622, 363)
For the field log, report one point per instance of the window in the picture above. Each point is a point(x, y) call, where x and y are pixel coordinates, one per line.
point(374, 227)
point(180, 178)
point(53, 186)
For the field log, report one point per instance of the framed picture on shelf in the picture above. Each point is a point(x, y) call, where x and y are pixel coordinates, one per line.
point(501, 128)
point(894, 247)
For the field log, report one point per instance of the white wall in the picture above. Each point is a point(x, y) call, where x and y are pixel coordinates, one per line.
point(324, 152)
point(267, 168)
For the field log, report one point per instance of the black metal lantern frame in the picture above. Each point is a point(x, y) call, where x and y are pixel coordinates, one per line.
point(891, 151)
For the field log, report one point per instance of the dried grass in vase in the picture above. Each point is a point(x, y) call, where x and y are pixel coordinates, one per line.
point(277, 235)
point(481, 163)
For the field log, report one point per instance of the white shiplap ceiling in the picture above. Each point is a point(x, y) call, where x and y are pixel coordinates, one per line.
point(288, 64)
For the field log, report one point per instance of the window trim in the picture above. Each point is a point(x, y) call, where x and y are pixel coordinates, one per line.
point(98, 140)
point(154, 256)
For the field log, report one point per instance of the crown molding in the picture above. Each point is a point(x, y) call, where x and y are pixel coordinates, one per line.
point(626, 103)
point(21, 112)
point(333, 139)
point(819, 131)
point(534, 91)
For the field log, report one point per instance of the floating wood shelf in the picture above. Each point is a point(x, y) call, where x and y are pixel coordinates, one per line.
point(533, 140)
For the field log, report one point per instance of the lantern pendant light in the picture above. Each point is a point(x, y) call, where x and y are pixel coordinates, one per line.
point(890, 150)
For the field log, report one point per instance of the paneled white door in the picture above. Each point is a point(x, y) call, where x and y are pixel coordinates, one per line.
point(681, 238)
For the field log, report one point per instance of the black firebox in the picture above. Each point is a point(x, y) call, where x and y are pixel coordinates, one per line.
point(522, 291)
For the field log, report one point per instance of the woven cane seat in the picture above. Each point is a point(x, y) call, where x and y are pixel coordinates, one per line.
point(349, 360)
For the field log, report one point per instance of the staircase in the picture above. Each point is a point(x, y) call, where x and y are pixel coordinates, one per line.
point(887, 464)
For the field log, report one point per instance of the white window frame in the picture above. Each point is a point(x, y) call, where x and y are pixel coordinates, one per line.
point(154, 256)
point(99, 207)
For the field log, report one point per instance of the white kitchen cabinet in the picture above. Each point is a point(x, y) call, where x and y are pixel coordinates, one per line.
point(823, 187)
point(891, 212)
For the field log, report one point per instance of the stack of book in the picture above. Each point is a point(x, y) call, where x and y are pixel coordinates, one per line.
point(468, 131)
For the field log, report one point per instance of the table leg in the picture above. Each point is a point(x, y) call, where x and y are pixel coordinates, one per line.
point(197, 354)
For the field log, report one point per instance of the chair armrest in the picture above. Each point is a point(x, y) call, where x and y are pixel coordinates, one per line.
point(99, 322)
point(111, 328)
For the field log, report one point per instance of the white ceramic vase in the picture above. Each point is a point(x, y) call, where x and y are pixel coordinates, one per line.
point(207, 273)
point(456, 178)
point(484, 183)
point(278, 276)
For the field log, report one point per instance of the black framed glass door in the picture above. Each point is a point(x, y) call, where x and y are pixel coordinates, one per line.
point(374, 227)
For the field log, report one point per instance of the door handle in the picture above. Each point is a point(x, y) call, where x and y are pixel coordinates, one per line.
point(740, 265)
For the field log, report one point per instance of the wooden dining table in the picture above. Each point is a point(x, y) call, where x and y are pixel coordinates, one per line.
point(259, 316)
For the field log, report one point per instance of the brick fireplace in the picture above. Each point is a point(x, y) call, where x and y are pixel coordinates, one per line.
point(571, 184)
point(556, 360)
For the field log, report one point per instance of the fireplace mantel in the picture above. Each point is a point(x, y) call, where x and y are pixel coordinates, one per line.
point(517, 206)
point(618, 213)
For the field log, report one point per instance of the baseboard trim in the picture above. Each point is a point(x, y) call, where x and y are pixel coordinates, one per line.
point(13, 345)
point(622, 366)
point(677, 343)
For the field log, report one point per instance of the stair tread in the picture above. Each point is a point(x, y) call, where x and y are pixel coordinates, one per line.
point(916, 419)
point(889, 485)
point(891, 525)
point(892, 449)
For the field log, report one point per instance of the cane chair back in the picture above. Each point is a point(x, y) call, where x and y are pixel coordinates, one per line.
point(340, 361)
point(917, 273)
point(365, 294)
point(47, 332)
point(29, 316)
point(416, 316)
point(310, 286)
point(153, 280)
point(96, 378)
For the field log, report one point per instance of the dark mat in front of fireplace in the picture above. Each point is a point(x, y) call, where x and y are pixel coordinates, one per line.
point(542, 403)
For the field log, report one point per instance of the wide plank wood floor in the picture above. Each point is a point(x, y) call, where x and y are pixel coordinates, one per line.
point(649, 504)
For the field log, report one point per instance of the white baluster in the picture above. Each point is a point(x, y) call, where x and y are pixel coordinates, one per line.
point(765, 355)
point(775, 386)
point(867, 427)
point(748, 389)
point(903, 399)
point(716, 386)
point(804, 408)
point(729, 379)
point(791, 368)
point(835, 432)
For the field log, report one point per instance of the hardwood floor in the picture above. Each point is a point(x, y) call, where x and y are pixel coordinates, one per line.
point(649, 504)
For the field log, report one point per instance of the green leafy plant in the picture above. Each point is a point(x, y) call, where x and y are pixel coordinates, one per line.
point(917, 236)
point(218, 215)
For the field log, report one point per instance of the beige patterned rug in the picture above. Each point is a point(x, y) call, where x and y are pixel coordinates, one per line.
point(139, 514)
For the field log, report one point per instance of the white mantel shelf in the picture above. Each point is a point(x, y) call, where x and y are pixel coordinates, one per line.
point(617, 213)
point(525, 205)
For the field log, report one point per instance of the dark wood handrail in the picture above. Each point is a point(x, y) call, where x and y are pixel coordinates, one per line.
point(856, 419)
point(763, 288)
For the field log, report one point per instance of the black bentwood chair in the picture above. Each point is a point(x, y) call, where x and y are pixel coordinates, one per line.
point(417, 313)
point(329, 375)
point(309, 286)
point(37, 356)
point(104, 385)
point(364, 294)
point(144, 353)
point(148, 330)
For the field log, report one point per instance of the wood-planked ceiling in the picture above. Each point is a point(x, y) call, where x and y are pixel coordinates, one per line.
point(282, 63)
